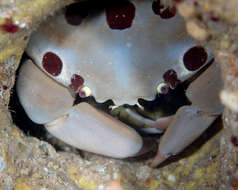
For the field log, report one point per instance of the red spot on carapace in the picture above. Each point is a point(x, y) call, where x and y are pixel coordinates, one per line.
point(162, 11)
point(76, 12)
point(52, 63)
point(120, 14)
point(4, 87)
point(171, 78)
point(76, 82)
point(9, 26)
point(194, 58)
point(214, 17)
point(234, 141)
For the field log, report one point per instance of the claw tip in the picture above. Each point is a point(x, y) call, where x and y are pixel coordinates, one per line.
point(159, 158)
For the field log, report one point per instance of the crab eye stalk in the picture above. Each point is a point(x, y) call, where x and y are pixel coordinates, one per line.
point(163, 88)
point(85, 92)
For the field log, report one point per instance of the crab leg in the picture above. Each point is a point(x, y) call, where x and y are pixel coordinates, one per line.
point(154, 126)
point(160, 124)
point(81, 126)
point(191, 121)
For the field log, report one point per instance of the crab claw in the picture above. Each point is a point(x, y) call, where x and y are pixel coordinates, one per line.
point(42, 98)
point(190, 122)
point(90, 129)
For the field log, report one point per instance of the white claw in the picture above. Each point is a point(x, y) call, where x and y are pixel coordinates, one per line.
point(190, 122)
point(159, 158)
point(92, 130)
point(204, 91)
point(187, 125)
point(42, 98)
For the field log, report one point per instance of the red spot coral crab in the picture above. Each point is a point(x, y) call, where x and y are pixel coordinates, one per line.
point(121, 51)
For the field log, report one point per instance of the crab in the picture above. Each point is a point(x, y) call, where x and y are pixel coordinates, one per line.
point(119, 51)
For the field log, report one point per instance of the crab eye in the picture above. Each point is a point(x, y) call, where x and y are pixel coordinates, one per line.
point(85, 92)
point(163, 88)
